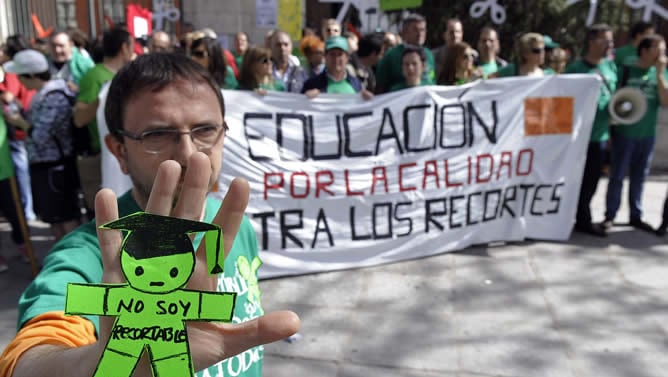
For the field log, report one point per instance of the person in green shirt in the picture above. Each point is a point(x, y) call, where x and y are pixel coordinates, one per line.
point(458, 68)
point(256, 72)
point(598, 44)
point(172, 168)
point(388, 71)
point(240, 47)
point(628, 54)
point(633, 145)
point(488, 48)
point(117, 46)
point(412, 67)
point(8, 207)
point(530, 50)
point(208, 53)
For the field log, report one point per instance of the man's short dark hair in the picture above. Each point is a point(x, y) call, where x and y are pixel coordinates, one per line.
point(412, 19)
point(640, 28)
point(370, 44)
point(594, 31)
point(113, 41)
point(152, 72)
point(14, 44)
point(412, 49)
point(649, 41)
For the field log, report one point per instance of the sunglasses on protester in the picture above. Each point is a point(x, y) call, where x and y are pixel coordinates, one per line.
point(199, 54)
point(537, 50)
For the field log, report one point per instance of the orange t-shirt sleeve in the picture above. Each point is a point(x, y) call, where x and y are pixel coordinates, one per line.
point(53, 328)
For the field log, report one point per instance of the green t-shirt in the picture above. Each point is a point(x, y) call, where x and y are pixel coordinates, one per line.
point(339, 87)
point(645, 80)
point(76, 259)
point(402, 85)
point(511, 70)
point(626, 55)
point(607, 69)
point(489, 68)
point(275, 85)
point(89, 89)
point(388, 71)
point(230, 80)
point(6, 164)
point(238, 59)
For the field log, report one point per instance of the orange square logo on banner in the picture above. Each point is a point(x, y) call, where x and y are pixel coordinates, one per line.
point(548, 116)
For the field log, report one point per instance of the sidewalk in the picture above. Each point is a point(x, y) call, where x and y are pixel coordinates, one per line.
point(590, 307)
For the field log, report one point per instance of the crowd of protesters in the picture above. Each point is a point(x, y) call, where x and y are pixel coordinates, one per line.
point(50, 92)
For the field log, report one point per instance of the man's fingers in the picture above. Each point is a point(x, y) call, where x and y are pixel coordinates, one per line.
point(162, 195)
point(266, 329)
point(232, 211)
point(106, 210)
point(195, 187)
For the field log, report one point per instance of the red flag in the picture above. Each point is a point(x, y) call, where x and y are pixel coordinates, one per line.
point(140, 23)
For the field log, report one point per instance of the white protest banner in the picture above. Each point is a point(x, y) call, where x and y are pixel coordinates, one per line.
point(338, 182)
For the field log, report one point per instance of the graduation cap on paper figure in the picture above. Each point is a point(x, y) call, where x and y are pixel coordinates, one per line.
point(153, 236)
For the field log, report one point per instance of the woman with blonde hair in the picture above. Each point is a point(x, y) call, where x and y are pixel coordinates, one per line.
point(458, 67)
point(256, 72)
point(530, 57)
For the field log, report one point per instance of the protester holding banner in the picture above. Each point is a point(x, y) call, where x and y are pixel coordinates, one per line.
point(633, 145)
point(413, 62)
point(628, 54)
point(530, 52)
point(598, 44)
point(459, 68)
point(335, 78)
point(256, 72)
point(414, 32)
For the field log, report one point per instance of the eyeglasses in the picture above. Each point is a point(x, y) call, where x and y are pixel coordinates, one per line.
point(334, 30)
point(199, 54)
point(161, 140)
point(537, 50)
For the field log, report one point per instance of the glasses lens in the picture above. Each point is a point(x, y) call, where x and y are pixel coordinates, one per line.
point(537, 50)
point(158, 140)
point(206, 136)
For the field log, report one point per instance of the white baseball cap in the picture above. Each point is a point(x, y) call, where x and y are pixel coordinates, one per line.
point(27, 62)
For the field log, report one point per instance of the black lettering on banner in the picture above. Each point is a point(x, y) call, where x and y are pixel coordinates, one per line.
point(387, 119)
point(453, 211)
point(536, 197)
point(263, 216)
point(525, 188)
point(252, 135)
point(285, 227)
point(556, 198)
point(496, 192)
point(403, 219)
point(313, 142)
point(407, 128)
point(353, 231)
point(430, 214)
point(346, 127)
point(374, 221)
point(490, 131)
point(509, 198)
point(444, 125)
point(322, 219)
point(280, 117)
point(468, 208)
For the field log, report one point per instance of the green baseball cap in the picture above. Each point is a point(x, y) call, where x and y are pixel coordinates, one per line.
point(549, 43)
point(336, 42)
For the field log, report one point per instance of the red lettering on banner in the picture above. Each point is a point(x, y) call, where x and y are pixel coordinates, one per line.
point(524, 153)
point(507, 161)
point(401, 177)
point(349, 192)
point(382, 177)
point(307, 188)
point(478, 178)
point(268, 185)
point(322, 185)
point(469, 170)
point(447, 177)
point(430, 170)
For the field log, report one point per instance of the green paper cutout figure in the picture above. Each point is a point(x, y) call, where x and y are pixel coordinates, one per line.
point(157, 260)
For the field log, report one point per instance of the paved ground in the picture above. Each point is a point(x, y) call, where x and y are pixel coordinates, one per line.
point(588, 307)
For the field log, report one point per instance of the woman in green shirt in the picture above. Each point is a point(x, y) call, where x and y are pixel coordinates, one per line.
point(256, 72)
point(530, 52)
point(208, 53)
point(458, 67)
point(413, 63)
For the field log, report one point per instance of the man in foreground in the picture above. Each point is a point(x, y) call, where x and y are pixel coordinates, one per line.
point(166, 119)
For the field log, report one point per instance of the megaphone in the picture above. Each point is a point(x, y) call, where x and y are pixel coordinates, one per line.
point(627, 106)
